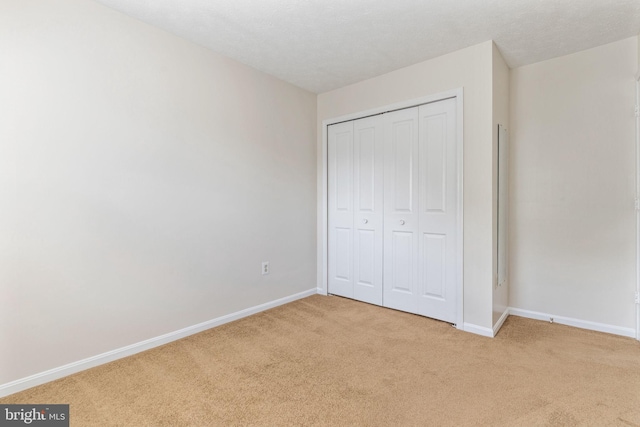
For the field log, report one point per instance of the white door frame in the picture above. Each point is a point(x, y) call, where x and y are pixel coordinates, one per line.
point(322, 240)
point(637, 296)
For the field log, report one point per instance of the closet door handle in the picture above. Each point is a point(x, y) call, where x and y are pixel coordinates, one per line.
point(402, 222)
point(364, 221)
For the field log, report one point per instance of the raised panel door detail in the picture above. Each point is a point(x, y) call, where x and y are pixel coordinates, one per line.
point(434, 264)
point(434, 161)
point(343, 253)
point(340, 209)
point(344, 171)
point(402, 261)
point(393, 209)
point(356, 185)
point(402, 166)
point(368, 208)
point(365, 275)
point(438, 210)
point(401, 213)
point(366, 169)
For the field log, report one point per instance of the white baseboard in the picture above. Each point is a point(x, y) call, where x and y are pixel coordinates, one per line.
point(110, 356)
point(322, 291)
point(478, 330)
point(500, 321)
point(569, 321)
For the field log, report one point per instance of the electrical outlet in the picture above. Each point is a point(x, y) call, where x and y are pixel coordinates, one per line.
point(265, 267)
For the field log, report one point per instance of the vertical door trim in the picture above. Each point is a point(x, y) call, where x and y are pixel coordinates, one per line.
point(637, 206)
point(322, 247)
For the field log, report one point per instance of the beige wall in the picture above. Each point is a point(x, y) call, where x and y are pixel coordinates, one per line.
point(500, 101)
point(469, 68)
point(143, 179)
point(572, 220)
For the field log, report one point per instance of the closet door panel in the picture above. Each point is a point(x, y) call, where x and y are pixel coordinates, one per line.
point(393, 210)
point(340, 206)
point(434, 248)
point(403, 157)
point(401, 215)
point(438, 210)
point(368, 209)
point(402, 261)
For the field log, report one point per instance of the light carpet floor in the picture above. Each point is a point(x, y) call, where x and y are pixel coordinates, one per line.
point(335, 362)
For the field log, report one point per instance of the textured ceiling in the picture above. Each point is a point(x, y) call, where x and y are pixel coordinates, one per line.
point(322, 45)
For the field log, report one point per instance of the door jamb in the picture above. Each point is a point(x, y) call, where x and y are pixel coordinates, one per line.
point(637, 205)
point(323, 217)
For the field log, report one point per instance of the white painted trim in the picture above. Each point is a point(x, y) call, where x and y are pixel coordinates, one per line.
point(487, 332)
point(392, 107)
point(321, 291)
point(459, 93)
point(110, 356)
point(577, 323)
point(500, 322)
point(478, 330)
point(322, 241)
point(637, 210)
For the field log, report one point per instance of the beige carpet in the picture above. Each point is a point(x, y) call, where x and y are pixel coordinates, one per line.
point(333, 361)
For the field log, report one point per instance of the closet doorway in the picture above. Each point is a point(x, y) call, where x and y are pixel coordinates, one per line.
point(394, 209)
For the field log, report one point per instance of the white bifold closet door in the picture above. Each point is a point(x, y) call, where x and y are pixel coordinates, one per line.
point(393, 195)
point(401, 210)
point(420, 199)
point(355, 209)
